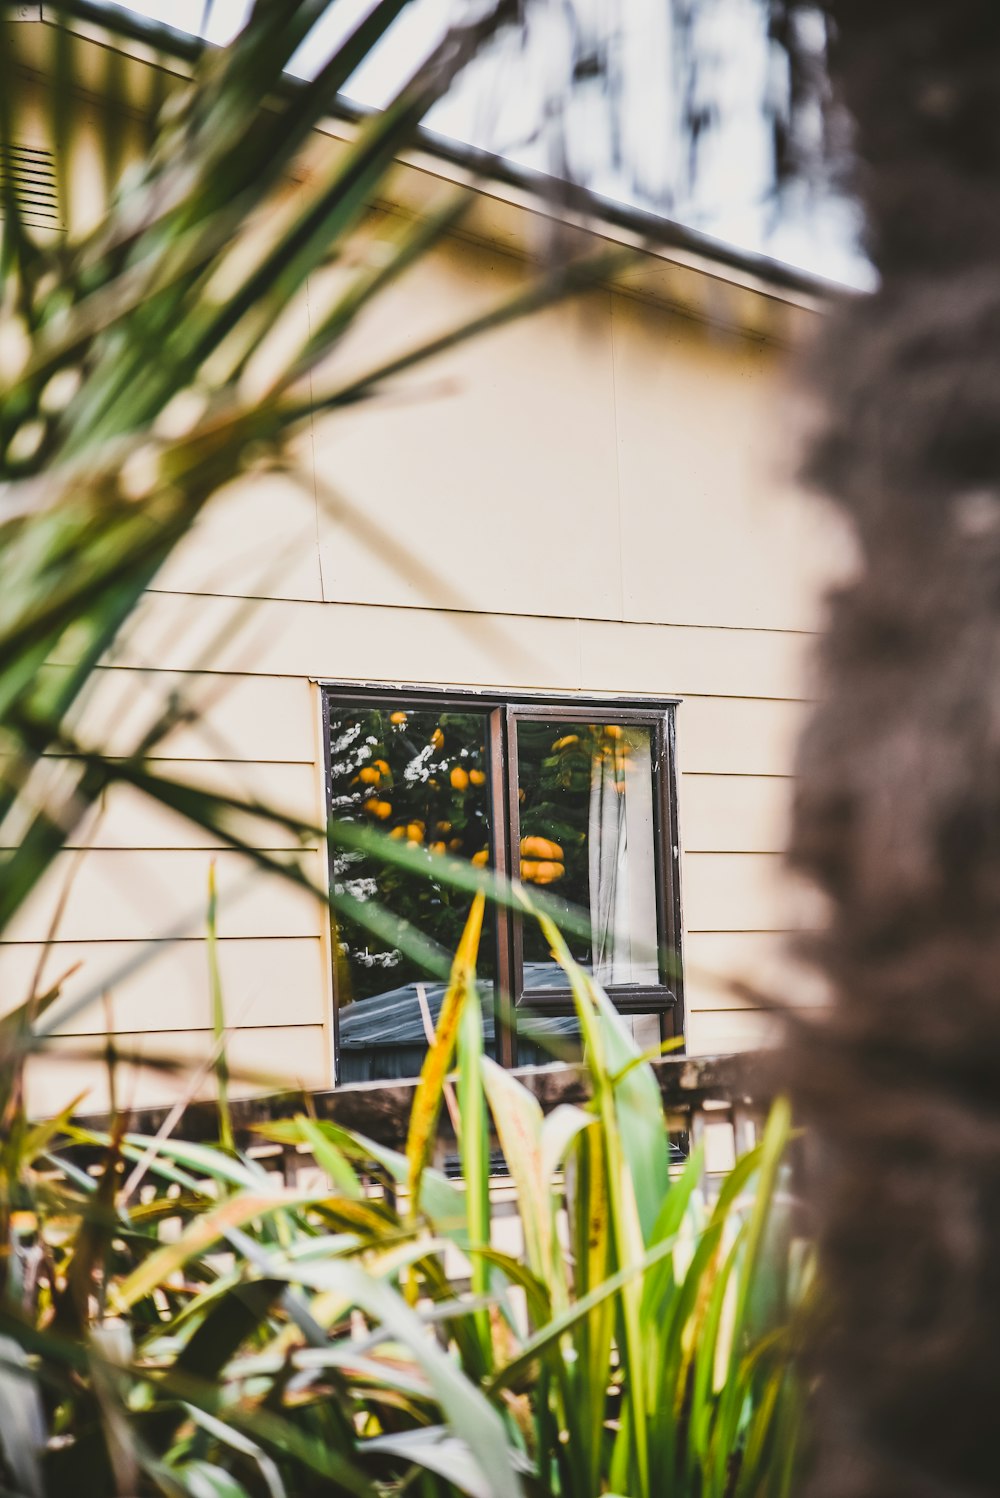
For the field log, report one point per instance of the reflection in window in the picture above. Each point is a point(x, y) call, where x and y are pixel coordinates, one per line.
point(421, 776)
point(385, 1036)
point(543, 1037)
point(586, 808)
point(581, 806)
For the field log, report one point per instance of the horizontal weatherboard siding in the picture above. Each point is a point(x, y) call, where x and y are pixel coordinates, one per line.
point(164, 985)
point(590, 502)
point(260, 1060)
point(141, 895)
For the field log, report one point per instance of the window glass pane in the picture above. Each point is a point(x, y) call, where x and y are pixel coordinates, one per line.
point(588, 835)
point(556, 1037)
point(420, 775)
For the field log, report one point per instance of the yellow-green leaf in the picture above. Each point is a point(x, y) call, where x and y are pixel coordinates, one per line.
point(427, 1100)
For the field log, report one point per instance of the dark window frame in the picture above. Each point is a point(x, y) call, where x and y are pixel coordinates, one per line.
point(502, 711)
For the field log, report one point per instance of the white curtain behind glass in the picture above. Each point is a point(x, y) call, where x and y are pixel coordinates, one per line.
point(622, 862)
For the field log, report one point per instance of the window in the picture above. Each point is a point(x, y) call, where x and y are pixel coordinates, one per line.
point(575, 797)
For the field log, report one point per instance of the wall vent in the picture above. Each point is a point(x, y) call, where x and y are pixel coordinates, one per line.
point(30, 172)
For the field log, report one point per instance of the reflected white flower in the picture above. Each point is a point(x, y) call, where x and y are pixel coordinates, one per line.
point(377, 959)
point(346, 739)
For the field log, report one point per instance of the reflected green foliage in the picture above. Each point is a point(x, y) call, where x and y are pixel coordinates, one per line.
point(420, 775)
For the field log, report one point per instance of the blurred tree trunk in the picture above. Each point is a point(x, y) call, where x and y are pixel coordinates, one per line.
point(898, 816)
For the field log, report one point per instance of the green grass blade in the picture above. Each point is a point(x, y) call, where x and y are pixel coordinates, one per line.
point(544, 1340)
point(474, 1148)
point(437, 1062)
point(198, 1237)
point(634, 1152)
point(441, 1201)
point(226, 1138)
point(468, 1412)
point(330, 1159)
point(589, 1209)
point(517, 1118)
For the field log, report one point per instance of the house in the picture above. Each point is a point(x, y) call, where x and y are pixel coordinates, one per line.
point(551, 605)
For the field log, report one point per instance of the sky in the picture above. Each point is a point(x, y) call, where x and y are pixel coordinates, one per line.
point(633, 154)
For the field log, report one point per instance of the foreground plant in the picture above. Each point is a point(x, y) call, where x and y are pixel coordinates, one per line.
point(298, 1342)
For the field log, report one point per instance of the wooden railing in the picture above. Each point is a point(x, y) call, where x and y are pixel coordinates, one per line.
point(720, 1099)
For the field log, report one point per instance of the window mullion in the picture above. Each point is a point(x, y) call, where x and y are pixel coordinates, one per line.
point(514, 832)
point(508, 979)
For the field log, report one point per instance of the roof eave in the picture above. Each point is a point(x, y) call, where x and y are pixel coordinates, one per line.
point(518, 211)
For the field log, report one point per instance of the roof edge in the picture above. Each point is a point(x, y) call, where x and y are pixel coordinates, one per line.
point(554, 196)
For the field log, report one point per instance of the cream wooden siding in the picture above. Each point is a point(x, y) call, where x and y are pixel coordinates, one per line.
point(600, 500)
